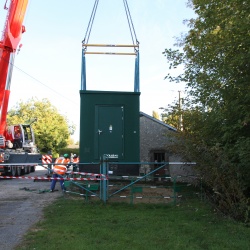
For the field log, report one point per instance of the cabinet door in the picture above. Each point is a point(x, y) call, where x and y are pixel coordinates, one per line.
point(109, 129)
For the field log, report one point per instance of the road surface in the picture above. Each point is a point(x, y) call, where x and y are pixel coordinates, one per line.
point(21, 206)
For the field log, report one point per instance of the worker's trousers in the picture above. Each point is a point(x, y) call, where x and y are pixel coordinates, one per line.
point(53, 183)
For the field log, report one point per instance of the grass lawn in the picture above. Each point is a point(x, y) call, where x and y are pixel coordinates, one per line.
point(73, 224)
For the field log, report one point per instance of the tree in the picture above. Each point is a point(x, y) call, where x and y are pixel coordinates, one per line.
point(52, 130)
point(216, 57)
point(156, 115)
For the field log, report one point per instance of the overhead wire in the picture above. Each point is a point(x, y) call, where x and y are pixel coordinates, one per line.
point(32, 77)
point(45, 85)
point(35, 79)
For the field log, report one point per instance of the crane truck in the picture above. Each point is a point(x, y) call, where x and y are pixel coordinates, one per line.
point(18, 151)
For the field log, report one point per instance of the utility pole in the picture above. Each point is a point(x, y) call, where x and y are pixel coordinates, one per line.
point(180, 110)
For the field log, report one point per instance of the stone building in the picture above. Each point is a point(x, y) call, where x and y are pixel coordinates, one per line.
point(153, 139)
point(153, 148)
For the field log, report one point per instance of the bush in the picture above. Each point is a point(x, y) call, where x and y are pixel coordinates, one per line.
point(69, 151)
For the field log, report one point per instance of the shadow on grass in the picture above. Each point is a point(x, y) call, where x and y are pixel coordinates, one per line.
point(71, 223)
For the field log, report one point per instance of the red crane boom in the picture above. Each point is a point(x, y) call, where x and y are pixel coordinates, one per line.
point(12, 33)
point(17, 142)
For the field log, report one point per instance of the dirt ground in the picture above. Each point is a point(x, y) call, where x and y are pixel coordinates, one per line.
point(141, 193)
point(21, 205)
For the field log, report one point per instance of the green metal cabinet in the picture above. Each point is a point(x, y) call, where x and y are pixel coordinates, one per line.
point(109, 125)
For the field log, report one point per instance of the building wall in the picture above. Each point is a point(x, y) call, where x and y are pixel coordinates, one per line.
point(154, 140)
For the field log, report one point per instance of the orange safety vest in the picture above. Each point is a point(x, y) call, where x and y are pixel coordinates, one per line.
point(61, 169)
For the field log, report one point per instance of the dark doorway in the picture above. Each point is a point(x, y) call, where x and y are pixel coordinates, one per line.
point(159, 156)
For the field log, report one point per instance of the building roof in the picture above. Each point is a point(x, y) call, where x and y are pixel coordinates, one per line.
point(158, 121)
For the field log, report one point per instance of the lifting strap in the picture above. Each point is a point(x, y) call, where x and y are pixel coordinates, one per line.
point(130, 24)
point(135, 45)
point(90, 24)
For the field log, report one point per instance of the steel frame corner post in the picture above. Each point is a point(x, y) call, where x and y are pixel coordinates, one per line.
point(104, 181)
point(174, 189)
point(201, 188)
point(83, 73)
point(137, 73)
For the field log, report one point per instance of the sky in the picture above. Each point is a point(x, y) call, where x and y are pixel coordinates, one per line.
point(49, 62)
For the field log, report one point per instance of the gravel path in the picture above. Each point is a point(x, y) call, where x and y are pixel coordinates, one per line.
point(20, 208)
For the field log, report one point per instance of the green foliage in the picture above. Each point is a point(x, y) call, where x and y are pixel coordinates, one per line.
point(171, 115)
point(70, 141)
point(69, 151)
point(156, 115)
point(216, 116)
point(51, 129)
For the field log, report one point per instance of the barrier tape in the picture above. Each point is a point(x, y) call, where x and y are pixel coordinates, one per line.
point(90, 174)
point(104, 177)
point(81, 173)
point(51, 178)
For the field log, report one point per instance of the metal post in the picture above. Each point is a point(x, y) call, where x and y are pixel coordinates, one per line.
point(101, 171)
point(174, 190)
point(103, 181)
point(180, 110)
point(83, 75)
point(131, 194)
point(201, 190)
point(137, 74)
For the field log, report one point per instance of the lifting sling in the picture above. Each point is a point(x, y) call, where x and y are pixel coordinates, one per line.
point(135, 45)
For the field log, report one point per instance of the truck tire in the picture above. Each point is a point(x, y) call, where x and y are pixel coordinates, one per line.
point(13, 171)
point(32, 169)
point(23, 170)
point(18, 171)
point(26, 170)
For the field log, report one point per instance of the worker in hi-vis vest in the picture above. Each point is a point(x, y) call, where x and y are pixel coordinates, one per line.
point(75, 162)
point(60, 168)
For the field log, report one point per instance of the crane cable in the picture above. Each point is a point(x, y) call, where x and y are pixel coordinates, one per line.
point(129, 19)
point(130, 24)
point(90, 24)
